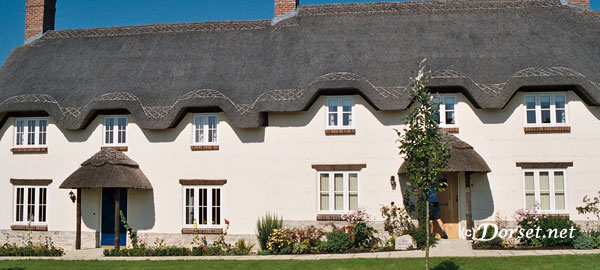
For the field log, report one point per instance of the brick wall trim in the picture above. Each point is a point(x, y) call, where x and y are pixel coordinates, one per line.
point(329, 217)
point(202, 231)
point(37, 228)
point(202, 182)
point(31, 182)
point(544, 165)
point(204, 147)
point(556, 129)
point(339, 167)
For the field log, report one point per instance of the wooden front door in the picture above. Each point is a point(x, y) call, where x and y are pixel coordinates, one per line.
point(448, 200)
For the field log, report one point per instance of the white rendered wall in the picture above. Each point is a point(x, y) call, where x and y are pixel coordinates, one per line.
point(269, 168)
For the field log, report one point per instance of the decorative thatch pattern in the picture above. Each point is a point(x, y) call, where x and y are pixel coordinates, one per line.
point(108, 168)
point(463, 158)
point(490, 49)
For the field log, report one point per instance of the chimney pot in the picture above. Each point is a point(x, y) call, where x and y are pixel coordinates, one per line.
point(39, 17)
point(285, 6)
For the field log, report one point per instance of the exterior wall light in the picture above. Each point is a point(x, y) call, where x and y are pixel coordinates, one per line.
point(393, 182)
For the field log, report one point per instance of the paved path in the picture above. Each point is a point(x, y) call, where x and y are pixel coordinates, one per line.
point(445, 248)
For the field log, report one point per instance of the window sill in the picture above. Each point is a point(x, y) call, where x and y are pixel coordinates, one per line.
point(560, 215)
point(37, 228)
point(329, 132)
point(204, 147)
point(29, 150)
point(202, 231)
point(450, 129)
point(552, 129)
point(118, 148)
point(329, 217)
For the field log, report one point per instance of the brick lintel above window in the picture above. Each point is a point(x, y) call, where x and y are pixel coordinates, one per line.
point(202, 182)
point(544, 165)
point(31, 182)
point(339, 167)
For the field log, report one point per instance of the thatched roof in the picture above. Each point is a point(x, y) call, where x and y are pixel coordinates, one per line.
point(108, 168)
point(463, 158)
point(488, 49)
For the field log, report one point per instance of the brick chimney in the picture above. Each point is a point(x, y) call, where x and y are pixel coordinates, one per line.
point(585, 3)
point(285, 6)
point(39, 17)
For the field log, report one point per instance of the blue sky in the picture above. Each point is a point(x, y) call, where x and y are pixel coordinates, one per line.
point(87, 14)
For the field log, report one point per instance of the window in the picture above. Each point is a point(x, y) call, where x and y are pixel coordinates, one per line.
point(203, 205)
point(446, 109)
point(115, 130)
point(545, 189)
point(340, 112)
point(30, 205)
point(205, 128)
point(338, 192)
point(545, 109)
point(30, 132)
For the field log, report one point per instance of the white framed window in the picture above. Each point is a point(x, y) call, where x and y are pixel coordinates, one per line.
point(545, 109)
point(446, 109)
point(545, 189)
point(30, 132)
point(30, 205)
point(203, 205)
point(205, 129)
point(115, 130)
point(338, 192)
point(340, 112)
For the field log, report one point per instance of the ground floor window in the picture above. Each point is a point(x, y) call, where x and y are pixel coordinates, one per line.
point(338, 192)
point(545, 189)
point(30, 205)
point(202, 205)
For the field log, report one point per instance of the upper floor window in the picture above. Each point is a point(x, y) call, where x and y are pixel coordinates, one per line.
point(30, 205)
point(338, 192)
point(202, 205)
point(340, 112)
point(446, 109)
point(545, 189)
point(545, 109)
point(205, 128)
point(30, 132)
point(115, 130)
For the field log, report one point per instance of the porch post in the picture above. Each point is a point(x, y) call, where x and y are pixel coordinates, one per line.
point(117, 218)
point(78, 214)
point(468, 214)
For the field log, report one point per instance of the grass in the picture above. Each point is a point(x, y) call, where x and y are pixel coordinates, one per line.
point(539, 262)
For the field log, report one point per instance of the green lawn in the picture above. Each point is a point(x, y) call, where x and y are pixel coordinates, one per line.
point(512, 263)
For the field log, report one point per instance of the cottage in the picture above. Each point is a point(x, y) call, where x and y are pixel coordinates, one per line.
point(176, 124)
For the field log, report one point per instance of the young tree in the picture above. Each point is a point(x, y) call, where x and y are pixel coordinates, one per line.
point(422, 146)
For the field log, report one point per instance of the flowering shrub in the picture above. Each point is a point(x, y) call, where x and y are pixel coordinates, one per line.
point(281, 241)
point(357, 216)
point(338, 240)
point(530, 220)
point(397, 220)
point(307, 240)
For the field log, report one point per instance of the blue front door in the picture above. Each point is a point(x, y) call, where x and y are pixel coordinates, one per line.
point(107, 236)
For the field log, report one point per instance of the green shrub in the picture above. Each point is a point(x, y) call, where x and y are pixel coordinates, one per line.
point(265, 226)
point(364, 235)
point(583, 241)
point(559, 224)
point(420, 236)
point(493, 243)
point(338, 241)
point(241, 248)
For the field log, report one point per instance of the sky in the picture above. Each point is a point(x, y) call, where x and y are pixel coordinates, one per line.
point(72, 14)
